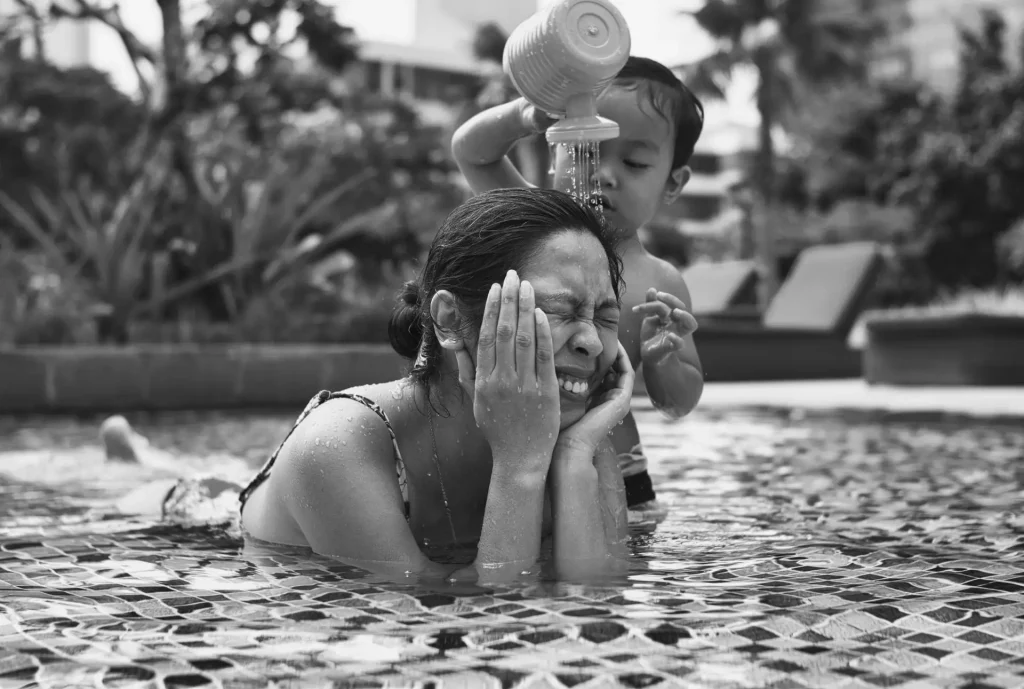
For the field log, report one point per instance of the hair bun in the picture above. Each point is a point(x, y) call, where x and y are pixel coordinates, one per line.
point(410, 294)
point(405, 329)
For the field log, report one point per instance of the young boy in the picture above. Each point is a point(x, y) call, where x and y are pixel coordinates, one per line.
point(659, 122)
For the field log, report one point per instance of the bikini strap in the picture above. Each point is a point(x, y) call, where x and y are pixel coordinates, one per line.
point(319, 399)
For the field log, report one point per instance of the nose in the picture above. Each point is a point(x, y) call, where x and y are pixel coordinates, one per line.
point(604, 173)
point(585, 341)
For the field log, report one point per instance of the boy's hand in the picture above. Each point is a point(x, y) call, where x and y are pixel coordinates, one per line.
point(535, 120)
point(665, 326)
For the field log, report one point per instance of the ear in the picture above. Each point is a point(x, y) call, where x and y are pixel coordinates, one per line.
point(677, 179)
point(447, 319)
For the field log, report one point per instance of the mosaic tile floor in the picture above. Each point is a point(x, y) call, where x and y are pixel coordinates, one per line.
point(800, 552)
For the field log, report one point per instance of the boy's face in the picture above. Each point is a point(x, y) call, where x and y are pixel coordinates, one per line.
point(635, 169)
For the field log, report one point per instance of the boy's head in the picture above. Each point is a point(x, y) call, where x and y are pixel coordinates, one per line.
point(659, 122)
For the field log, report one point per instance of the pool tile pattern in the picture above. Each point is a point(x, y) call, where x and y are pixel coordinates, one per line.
point(799, 553)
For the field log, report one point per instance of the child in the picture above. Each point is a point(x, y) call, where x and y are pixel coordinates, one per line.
point(659, 122)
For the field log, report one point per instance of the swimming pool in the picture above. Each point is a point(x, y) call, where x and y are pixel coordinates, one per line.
point(800, 551)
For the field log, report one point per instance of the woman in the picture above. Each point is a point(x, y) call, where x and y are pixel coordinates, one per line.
point(513, 390)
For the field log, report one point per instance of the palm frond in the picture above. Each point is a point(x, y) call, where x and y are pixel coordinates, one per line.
point(711, 76)
point(721, 19)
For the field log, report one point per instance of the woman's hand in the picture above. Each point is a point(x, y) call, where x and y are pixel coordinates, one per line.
point(515, 391)
point(607, 408)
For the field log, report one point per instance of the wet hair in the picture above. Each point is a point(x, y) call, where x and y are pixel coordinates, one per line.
point(670, 98)
point(478, 243)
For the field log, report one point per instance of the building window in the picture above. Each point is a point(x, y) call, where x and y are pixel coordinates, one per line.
point(706, 163)
point(371, 76)
point(700, 207)
point(440, 85)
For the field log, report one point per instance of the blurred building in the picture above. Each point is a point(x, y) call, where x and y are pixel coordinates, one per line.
point(924, 41)
point(423, 49)
point(706, 210)
point(416, 48)
point(65, 43)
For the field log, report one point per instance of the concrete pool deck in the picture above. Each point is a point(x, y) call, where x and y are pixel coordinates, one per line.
point(854, 394)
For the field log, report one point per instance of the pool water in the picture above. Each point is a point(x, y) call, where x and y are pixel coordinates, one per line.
point(799, 552)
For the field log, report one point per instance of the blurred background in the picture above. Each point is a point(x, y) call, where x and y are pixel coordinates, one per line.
point(272, 170)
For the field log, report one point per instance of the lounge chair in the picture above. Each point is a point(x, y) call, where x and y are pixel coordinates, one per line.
point(723, 290)
point(803, 333)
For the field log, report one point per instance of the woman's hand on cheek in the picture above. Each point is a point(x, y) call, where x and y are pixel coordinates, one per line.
point(607, 407)
point(515, 391)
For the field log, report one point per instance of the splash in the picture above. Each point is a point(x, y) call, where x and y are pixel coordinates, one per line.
point(583, 183)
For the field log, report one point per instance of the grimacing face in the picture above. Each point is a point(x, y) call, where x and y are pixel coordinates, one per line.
point(635, 169)
point(572, 284)
point(570, 278)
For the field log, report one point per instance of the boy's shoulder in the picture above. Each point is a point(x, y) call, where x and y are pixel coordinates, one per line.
point(644, 270)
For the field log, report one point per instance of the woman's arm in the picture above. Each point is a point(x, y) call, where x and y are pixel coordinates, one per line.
point(614, 511)
point(589, 511)
point(338, 473)
point(511, 532)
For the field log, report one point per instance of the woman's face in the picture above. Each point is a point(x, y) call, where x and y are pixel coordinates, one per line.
point(569, 274)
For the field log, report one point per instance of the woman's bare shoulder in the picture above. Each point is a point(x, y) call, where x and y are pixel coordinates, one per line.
point(347, 429)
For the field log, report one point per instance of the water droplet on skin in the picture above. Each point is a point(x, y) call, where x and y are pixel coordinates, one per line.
point(551, 435)
point(344, 442)
point(318, 442)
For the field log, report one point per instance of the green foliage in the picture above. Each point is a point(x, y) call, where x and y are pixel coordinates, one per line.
point(957, 161)
point(249, 195)
point(986, 302)
point(791, 44)
point(489, 43)
point(37, 306)
point(56, 124)
point(267, 34)
point(92, 239)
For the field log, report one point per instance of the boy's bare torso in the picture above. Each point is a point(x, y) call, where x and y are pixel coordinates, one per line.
point(640, 271)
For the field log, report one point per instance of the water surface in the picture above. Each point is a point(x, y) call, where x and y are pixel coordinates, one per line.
point(817, 552)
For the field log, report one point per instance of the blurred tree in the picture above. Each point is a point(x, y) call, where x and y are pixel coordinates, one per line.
point(272, 152)
point(56, 124)
point(790, 45)
point(489, 43)
point(257, 61)
point(968, 173)
point(957, 161)
point(858, 141)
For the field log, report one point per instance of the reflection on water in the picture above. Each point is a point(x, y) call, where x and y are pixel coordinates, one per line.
point(798, 552)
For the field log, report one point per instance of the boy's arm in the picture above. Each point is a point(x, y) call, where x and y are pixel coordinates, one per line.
point(675, 380)
point(481, 145)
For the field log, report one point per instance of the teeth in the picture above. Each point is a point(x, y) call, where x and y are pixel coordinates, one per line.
point(574, 386)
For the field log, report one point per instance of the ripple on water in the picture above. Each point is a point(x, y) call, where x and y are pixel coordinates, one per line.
point(797, 552)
